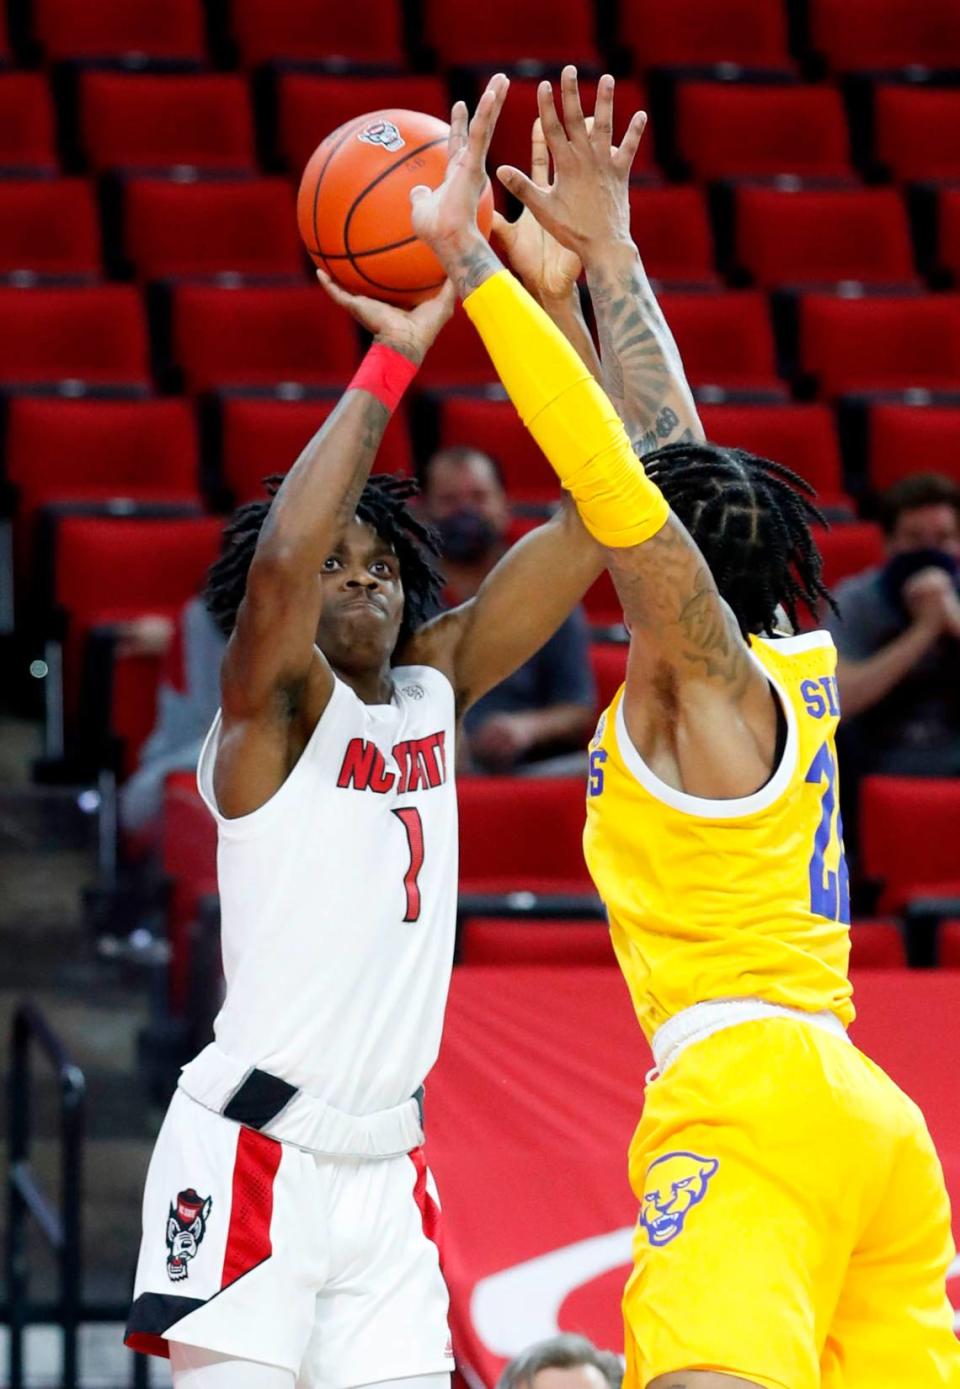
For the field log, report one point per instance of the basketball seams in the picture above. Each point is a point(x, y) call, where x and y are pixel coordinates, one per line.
point(347, 128)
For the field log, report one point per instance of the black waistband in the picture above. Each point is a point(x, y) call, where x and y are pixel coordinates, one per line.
point(262, 1096)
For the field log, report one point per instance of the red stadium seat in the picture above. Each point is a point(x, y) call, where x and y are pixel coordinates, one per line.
point(189, 856)
point(880, 344)
point(94, 335)
point(908, 837)
point(26, 122)
point(246, 225)
point(608, 660)
point(803, 437)
point(110, 570)
point(309, 108)
point(672, 230)
point(261, 437)
point(495, 941)
point(364, 31)
point(260, 336)
point(49, 226)
point(877, 945)
point(508, 33)
point(724, 339)
point(700, 33)
point(906, 439)
point(522, 835)
point(948, 232)
point(949, 945)
point(917, 131)
point(150, 122)
point(511, 139)
point(726, 131)
point(114, 28)
point(458, 358)
point(94, 450)
point(494, 427)
point(849, 549)
point(865, 35)
point(818, 236)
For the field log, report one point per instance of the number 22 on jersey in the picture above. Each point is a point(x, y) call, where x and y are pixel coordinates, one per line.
point(829, 887)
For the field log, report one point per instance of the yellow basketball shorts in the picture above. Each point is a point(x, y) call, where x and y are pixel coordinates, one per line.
point(794, 1227)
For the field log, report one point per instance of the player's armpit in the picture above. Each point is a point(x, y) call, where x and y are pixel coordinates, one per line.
point(519, 606)
point(697, 708)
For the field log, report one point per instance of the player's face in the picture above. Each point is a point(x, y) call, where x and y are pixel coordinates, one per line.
point(362, 600)
point(935, 527)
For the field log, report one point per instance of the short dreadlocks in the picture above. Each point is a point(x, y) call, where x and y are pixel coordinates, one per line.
point(750, 519)
point(382, 505)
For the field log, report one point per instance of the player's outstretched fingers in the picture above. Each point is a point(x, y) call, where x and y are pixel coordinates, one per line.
point(459, 120)
point(338, 295)
point(601, 131)
point(627, 153)
point(572, 108)
point(485, 118)
point(550, 124)
point(522, 187)
point(539, 156)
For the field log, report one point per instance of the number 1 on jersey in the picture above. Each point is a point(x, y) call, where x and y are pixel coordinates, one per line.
point(413, 825)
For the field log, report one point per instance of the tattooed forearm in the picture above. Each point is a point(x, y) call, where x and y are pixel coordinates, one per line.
point(642, 370)
point(469, 268)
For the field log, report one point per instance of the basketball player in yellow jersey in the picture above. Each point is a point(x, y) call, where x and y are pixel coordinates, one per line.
point(794, 1231)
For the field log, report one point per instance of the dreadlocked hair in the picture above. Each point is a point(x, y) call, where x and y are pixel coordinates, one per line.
point(382, 505)
point(750, 519)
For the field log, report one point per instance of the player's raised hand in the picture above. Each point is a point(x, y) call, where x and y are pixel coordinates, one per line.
point(410, 331)
point(448, 213)
point(587, 203)
point(548, 269)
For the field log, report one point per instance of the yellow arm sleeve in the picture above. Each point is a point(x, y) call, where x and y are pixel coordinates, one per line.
point(569, 415)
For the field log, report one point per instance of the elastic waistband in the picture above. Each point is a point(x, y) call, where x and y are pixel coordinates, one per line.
point(261, 1101)
point(702, 1019)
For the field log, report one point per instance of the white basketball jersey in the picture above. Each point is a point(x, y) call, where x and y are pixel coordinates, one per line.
point(338, 900)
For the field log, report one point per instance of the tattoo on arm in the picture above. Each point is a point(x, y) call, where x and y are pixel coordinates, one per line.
point(641, 366)
point(472, 268)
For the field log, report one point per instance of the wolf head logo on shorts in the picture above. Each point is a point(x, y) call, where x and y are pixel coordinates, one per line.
point(383, 133)
point(186, 1227)
point(674, 1184)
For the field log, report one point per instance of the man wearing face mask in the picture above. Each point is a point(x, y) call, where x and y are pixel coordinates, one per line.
point(541, 716)
point(898, 637)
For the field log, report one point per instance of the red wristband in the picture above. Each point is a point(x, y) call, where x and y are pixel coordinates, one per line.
point(384, 373)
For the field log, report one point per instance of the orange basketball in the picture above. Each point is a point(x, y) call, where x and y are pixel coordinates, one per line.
point(353, 207)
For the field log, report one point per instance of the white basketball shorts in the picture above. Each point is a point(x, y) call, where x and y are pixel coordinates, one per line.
point(328, 1267)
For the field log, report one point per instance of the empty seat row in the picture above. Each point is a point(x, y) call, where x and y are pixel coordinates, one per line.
point(267, 334)
point(850, 35)
point(169, 227)
point(722, 129)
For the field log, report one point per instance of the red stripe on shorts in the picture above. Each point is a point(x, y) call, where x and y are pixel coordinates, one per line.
point(430, 1216)
point(251, 1210)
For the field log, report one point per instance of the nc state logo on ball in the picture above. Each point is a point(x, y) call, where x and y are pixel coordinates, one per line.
point(383, 133)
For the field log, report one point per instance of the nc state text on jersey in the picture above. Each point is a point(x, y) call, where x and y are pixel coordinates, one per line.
point(420, 764)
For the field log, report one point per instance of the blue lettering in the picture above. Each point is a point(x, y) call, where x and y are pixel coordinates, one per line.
point(829, 683)
point(597, 759)
point(813, 698)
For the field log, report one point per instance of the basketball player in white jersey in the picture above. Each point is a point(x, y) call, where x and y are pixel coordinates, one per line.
point(289, 1217)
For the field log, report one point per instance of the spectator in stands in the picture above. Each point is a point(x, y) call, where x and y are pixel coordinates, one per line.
point(187, 699)
point(540, 718)
point(898, 638)
point(563, 1362)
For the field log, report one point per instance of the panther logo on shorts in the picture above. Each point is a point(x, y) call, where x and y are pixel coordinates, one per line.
point(674, 1184)
point(186, 1227)
point(383, 133)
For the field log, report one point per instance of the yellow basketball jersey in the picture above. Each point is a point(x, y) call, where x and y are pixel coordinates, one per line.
point(740, 898)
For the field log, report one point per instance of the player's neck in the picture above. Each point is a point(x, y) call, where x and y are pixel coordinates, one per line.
point(370, 686)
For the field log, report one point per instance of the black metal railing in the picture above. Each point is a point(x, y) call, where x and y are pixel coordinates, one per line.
point(59, 1222)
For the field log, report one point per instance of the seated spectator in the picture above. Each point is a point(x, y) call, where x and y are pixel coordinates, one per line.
point(898, 638)
point(187, 699)
point(540, 718)
point(563, 1362)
